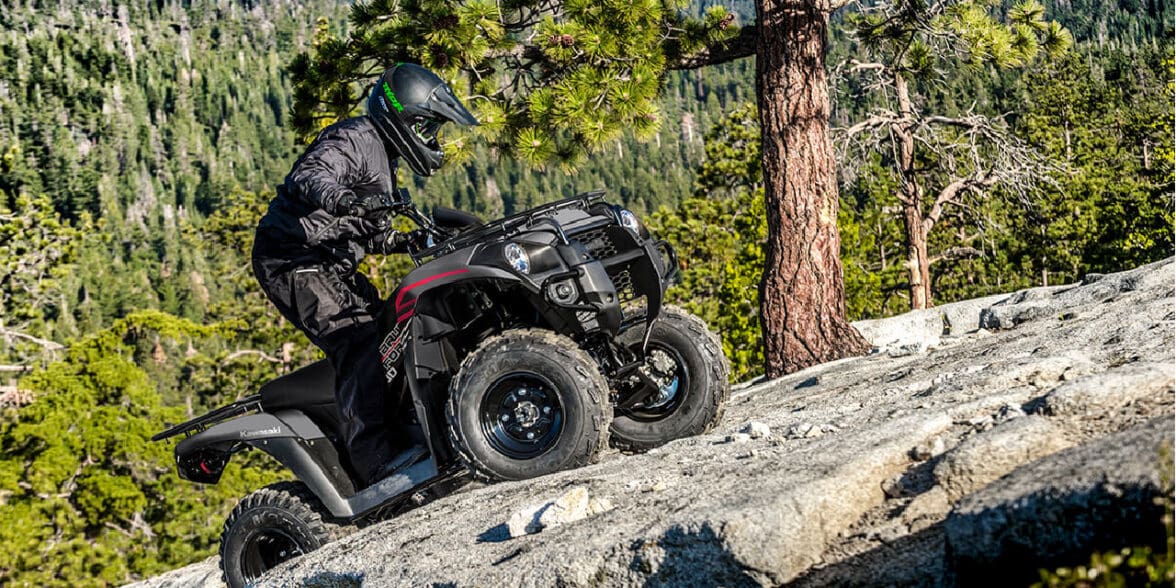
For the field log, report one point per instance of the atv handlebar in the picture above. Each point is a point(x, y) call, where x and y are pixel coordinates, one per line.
point(400, 203)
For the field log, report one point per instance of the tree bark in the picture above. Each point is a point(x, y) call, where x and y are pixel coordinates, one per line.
point(918, 264)
point(911, 197)
point(802, 294)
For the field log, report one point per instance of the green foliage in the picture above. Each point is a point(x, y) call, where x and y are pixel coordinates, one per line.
point(1109, 117)
point(36, 252)
point(1130, 566)
point(948, 163)
point(719, 239)
point(553, 86)
point(88, 498)
point(719, 236)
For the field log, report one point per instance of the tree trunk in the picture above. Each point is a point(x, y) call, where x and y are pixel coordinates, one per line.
point(911, 197)
point(802, 295)
point(918, 264)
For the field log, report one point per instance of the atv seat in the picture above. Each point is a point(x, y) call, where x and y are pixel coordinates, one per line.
point(310, 389)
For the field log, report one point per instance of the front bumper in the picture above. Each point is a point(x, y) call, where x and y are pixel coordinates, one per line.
point(608, 267)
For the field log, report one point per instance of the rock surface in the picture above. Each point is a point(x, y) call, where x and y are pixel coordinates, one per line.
point(1100, 495)
point(973, 445)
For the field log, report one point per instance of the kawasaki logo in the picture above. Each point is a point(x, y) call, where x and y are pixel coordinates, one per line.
point(260, 432)
point(392, 98)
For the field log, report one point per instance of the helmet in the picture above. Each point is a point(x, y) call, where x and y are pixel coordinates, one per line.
point(408, 106)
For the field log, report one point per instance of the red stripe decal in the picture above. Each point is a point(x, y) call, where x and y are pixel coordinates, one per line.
point(400, 297)
point(393, 347)
point(405, 316)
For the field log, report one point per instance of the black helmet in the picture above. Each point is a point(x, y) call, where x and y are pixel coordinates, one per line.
point(408, 105)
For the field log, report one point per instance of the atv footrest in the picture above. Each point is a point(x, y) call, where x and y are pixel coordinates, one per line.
point(247, 404)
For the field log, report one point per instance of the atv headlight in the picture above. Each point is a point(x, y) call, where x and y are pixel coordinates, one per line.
point(516, 257)
point(629, 221)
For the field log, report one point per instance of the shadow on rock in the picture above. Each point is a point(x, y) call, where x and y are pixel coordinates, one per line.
point(333, 580)
point(690, 557)
point(914, 560)
point(1007, 544)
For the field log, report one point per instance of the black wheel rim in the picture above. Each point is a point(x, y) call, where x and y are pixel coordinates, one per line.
point(653, 410)
point(521, 415)
point(266, 549)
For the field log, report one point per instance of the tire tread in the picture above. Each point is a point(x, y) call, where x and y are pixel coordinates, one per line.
point(597, 389)
point(712, 349)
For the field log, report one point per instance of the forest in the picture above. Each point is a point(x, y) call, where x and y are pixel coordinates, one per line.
point(141, 140)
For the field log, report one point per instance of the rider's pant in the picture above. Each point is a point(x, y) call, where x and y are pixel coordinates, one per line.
point(337, 311)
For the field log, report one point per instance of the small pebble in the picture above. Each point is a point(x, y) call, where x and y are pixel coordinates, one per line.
point(757, 430)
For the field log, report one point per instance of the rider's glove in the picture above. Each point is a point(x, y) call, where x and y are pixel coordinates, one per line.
point(363, 206)
point(393, 241)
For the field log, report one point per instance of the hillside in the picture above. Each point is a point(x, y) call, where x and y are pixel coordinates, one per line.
point(953, 455)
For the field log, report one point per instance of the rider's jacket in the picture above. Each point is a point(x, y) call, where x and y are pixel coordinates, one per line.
point(348, 157)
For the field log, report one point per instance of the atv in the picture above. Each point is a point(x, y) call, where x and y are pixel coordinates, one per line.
point(525, 344)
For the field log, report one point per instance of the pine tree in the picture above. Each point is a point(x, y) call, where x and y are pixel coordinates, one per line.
point(941, 159)
point(554, 81)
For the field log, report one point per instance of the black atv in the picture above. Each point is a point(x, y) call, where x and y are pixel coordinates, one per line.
point(523, 343)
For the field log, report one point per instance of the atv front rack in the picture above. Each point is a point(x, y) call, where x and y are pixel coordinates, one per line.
point(503, 227)
point(198, 424)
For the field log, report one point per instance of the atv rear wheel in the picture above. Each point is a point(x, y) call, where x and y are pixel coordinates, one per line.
point(526, 403)
point(270, 526)
point(687, 359)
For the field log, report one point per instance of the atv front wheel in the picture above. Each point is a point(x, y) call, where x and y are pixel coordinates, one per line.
point(686, 361)
point(526, 403)
point(270, 526)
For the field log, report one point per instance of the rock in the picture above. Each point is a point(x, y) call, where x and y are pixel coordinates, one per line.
point(905, 350)
point(1040, 372)
point(893, 487)
point(960, 318)
point(915, 330)
point(525, 521)
point(893, 531)
point(798, 431)
point(995, 318)
point(846, 508)
point(1100, 393)
point(574, 505)
point(757, 430)
point(206, 574)
point(808, 382)
point(991, 454)
point(931, 448)
point(1008, 412)
point(1058, 510)
point(926, 509)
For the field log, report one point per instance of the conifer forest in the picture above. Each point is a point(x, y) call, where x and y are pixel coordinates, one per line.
point(141, 140)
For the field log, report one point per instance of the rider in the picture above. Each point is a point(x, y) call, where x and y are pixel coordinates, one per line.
point(330, 213)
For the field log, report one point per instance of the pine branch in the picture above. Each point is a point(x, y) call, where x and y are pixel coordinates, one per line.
point(740, 46)
point(952, 191)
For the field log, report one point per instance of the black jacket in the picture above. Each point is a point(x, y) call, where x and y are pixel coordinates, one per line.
point(347, 157)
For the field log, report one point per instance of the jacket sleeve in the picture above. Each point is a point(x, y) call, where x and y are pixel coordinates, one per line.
point(322, 175)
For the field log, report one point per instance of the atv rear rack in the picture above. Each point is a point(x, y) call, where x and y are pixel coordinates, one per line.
point(199, 424)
